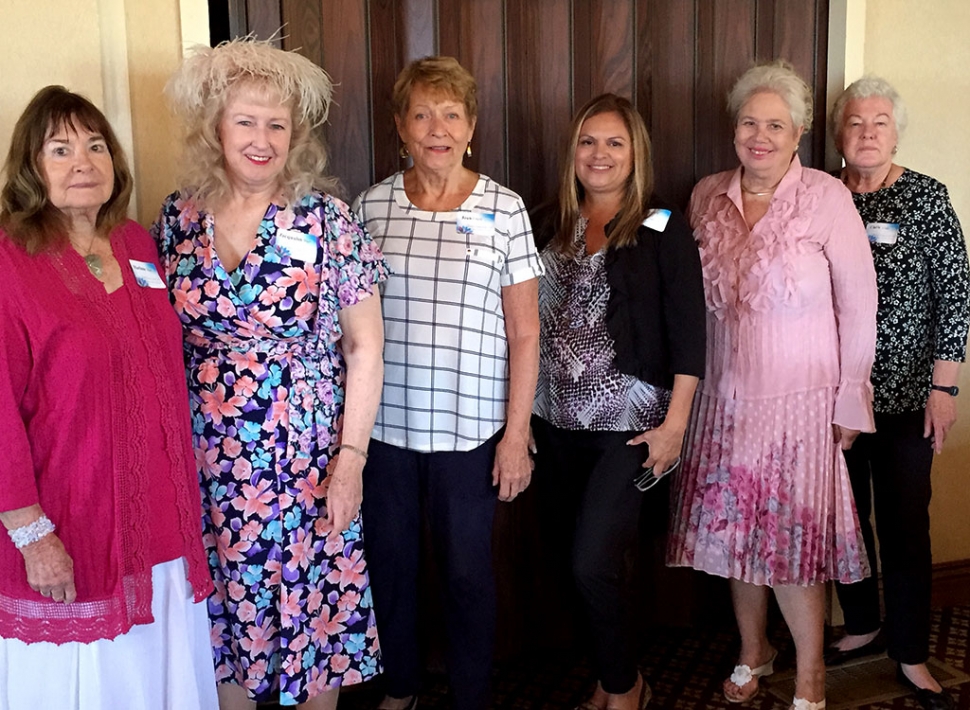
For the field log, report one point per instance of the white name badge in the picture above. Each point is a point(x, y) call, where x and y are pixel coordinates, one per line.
point(657, 220)
point(481, 224)
point(297, 245)
point(882, 232)
point(146, 275)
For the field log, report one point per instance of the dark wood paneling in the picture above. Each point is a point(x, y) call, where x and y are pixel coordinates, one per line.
point(613, 55)
point(265, 19)
point(666, 33)
point(540, 97)
point(303, 28)
point(345, 54)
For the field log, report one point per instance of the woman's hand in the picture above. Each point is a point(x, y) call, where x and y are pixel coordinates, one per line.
point(941, 414)
point(513, 466)
point(50, 570)
point(844, 437)
point(345, 492)
point(664, 442)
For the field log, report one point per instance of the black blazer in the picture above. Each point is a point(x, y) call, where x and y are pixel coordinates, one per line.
point(656, 311)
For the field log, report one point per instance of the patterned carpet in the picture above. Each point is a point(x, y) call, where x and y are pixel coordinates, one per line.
point(685, 668)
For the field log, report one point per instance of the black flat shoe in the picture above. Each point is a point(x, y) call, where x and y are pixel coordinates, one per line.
point(412, 704)
point(927, 698)
point(835, 657)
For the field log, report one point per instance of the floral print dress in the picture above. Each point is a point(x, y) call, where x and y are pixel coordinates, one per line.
point(291, 615)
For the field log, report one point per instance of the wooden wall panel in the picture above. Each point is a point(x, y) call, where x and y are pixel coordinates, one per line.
point(345, 30)
point(666, 34)
point(540, 103)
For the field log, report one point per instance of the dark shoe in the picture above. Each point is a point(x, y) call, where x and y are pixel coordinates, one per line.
point(927, 698)
point(835, 657)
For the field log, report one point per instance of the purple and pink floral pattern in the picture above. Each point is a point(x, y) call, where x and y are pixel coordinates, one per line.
point(292, 614)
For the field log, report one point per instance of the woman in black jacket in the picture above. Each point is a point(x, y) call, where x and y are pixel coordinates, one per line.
point(621, 309)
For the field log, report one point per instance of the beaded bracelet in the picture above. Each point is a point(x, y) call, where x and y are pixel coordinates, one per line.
point(32, 532)
point(359, 452)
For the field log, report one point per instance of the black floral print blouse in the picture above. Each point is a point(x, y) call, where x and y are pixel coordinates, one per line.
point(924, 287)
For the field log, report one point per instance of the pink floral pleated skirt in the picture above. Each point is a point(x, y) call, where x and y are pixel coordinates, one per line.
point(764, 495)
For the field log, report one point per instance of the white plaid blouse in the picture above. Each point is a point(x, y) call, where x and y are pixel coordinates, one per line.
point(445, 350)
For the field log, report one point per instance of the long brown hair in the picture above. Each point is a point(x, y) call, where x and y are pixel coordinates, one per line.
point(26, 213)
point(639, 187)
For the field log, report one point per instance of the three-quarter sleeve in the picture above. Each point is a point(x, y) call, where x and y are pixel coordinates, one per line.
point(855, 300)
point(949, 275)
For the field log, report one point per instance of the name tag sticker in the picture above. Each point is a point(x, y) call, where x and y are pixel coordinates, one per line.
point(146, 275)
point(297, 245)
point(481, 224)
point(882, 232)
point(657, 220)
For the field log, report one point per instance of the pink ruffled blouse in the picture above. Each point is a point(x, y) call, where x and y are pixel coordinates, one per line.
point(792, 302)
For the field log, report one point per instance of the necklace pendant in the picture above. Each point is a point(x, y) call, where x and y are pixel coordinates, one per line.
point(95, 265)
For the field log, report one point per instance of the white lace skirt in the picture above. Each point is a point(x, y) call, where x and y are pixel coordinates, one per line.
point(163, 665)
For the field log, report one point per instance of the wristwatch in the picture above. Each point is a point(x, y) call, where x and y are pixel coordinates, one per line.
point(952, 391)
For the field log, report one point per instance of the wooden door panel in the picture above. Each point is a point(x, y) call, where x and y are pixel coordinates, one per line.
point(536, 61)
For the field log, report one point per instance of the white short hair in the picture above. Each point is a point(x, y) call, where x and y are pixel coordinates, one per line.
point(867, 87)
point(778, 77)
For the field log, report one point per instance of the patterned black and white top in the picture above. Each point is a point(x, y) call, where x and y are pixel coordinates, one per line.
point(579, 388)
point(445, 348)
point(924, 287)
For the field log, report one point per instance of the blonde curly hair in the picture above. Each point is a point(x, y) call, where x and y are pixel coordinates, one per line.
point(208, 78)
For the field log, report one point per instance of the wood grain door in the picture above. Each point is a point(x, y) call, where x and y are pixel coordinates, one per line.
point(537, 61)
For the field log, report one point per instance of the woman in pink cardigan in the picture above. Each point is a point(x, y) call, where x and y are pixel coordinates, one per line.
point(764, 497)
point(98, 492)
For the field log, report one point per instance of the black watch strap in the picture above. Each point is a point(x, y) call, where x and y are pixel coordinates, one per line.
point(952, 391)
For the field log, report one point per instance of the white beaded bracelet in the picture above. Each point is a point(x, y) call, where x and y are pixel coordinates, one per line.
point(33, 532)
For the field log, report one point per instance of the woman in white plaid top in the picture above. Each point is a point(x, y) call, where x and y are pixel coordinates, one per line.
point(461, 361)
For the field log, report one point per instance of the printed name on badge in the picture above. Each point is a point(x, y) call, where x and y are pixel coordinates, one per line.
point(146, 275)
point(657, 220)
point(297, 245)
point(481, 224)
point(882, 232)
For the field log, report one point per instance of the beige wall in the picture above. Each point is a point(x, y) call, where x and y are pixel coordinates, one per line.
point(921, 47)
point(118, 53)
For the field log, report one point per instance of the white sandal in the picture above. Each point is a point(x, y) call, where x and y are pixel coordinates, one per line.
point(802, 704)
point(744, 674)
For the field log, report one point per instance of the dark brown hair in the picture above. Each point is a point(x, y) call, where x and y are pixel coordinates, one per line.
point(26, 213)
point(639, 187)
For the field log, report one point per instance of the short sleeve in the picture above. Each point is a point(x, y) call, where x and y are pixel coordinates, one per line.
point(522, 263)
point(356, 262)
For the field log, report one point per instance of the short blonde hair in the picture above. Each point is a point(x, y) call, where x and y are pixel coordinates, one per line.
point(778, 77)
point(440, 75)
point(867, 87)
point(208, 78)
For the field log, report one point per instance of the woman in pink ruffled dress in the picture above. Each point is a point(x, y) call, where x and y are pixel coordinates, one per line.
point(764, 497)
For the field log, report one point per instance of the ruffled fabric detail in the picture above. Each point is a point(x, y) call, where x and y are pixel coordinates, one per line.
point(754, 271)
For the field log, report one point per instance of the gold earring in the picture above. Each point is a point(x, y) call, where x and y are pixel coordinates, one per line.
point(403, 152)
point(468, 149)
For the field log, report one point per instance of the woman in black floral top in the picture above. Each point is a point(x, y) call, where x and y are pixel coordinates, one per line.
point(924, 286)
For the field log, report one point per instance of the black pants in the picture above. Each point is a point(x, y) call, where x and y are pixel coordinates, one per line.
point(896, 460)
point(589, 516)
point(454, 490)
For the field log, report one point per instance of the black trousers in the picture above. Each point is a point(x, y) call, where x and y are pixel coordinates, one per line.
point(454, 490)
point(589, 513)
point(896, 462)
